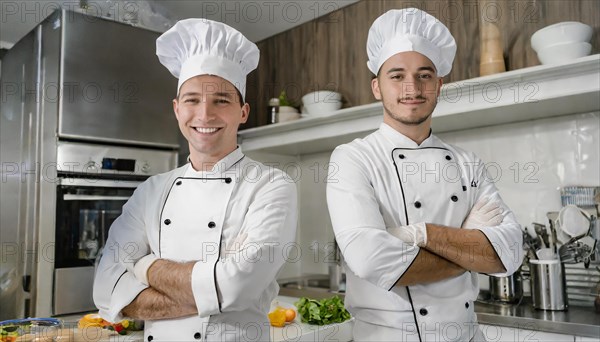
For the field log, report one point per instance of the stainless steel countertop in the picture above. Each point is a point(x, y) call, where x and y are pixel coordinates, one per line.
point(577, 320)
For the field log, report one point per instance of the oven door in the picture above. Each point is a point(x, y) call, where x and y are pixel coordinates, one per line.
point(85, 210)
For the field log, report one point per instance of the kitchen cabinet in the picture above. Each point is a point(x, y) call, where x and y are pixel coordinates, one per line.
point(495, 333)
point(525, 94)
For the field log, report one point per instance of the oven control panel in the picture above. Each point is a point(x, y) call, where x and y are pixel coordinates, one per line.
point(91, 159)
point(118, 164)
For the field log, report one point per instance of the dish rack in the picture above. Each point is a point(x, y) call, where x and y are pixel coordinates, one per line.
point(581, 196)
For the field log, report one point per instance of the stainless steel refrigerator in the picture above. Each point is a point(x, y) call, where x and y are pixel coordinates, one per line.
point(86, 115)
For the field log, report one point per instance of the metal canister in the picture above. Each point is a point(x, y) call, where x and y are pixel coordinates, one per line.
point(548, 285)
point(507, 289)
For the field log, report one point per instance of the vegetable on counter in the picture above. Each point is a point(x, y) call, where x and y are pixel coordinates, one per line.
point(94, 320)
point(326, 311)
point(280, 316)
point(8, 335)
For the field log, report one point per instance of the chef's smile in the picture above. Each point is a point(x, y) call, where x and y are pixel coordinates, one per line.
point(207, 130)
point(412, 102)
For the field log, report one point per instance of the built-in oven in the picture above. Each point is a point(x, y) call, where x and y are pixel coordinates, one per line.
point(94, 182)
point(85, 210)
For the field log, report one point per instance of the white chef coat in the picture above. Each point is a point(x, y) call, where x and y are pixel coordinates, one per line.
point(236, 221)
point(386, 180)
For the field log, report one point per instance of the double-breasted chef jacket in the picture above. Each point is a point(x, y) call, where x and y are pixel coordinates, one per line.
point(386, 180)
point(236, 221)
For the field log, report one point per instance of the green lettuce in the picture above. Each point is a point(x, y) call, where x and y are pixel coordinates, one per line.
point(326, 311)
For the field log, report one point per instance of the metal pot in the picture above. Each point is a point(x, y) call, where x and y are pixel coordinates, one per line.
point(507, 289)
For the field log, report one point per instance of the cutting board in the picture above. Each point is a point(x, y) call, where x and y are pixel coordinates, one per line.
point(91, 334)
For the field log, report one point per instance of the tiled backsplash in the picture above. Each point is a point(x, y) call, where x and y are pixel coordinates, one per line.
point(536, 158)
point(530, 161)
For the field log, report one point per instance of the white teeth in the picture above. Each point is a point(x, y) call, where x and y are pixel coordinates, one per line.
point(206, 130)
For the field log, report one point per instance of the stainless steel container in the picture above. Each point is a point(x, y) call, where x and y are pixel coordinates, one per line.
point(548, 287)
point(507, 289)
point(337, 275)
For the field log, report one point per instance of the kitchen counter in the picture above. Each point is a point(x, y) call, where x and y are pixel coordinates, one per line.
point(578, 321)
point(295, 331)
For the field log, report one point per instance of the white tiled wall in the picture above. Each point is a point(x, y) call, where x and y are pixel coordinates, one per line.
point(532, 159)
point(536, 158)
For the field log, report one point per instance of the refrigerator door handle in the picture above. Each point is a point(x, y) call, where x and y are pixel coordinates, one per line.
point(27, 283)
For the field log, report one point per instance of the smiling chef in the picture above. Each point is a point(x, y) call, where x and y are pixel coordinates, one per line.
point(196, 250)
point(416, 218)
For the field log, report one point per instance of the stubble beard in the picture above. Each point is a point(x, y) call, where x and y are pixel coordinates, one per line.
point(403, 120)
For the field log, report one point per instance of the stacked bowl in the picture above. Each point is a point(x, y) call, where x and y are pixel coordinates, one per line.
point(321, 102)
point(562, 42)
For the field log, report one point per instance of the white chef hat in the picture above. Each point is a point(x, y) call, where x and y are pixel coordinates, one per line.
point(410, 29)
point(195, 47)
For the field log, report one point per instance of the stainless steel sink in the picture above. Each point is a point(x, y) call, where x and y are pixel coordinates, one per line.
point(312, 286)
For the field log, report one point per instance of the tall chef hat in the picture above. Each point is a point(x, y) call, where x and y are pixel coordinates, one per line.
point(410, 29)
point(195, 47)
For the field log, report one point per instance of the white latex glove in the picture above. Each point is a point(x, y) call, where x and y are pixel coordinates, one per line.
point(140, 270)
point(485, 213)
point(413, 234)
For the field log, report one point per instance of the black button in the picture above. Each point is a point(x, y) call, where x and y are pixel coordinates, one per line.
point(448, 158)
point(227, 180)
point(167, 222)
point(467, 305)
point(178, 183)
point(454, 198)
point(423, 312)
point(197, 335)
point(417, 204)
point(211, 224)
point(401, 156)
point(150, 338)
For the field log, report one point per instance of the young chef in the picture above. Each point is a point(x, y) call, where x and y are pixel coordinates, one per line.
point(404, 181)
point(196, 250)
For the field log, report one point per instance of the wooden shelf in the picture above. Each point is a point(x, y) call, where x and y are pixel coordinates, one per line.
point(526, 94)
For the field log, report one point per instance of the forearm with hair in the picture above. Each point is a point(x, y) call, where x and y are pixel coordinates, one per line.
point(468, 248)
point(152, 305)
point(169, 295)
point(172, 279)
point(429, 268)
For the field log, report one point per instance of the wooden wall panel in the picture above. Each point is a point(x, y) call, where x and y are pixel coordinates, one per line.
point(330, 52)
